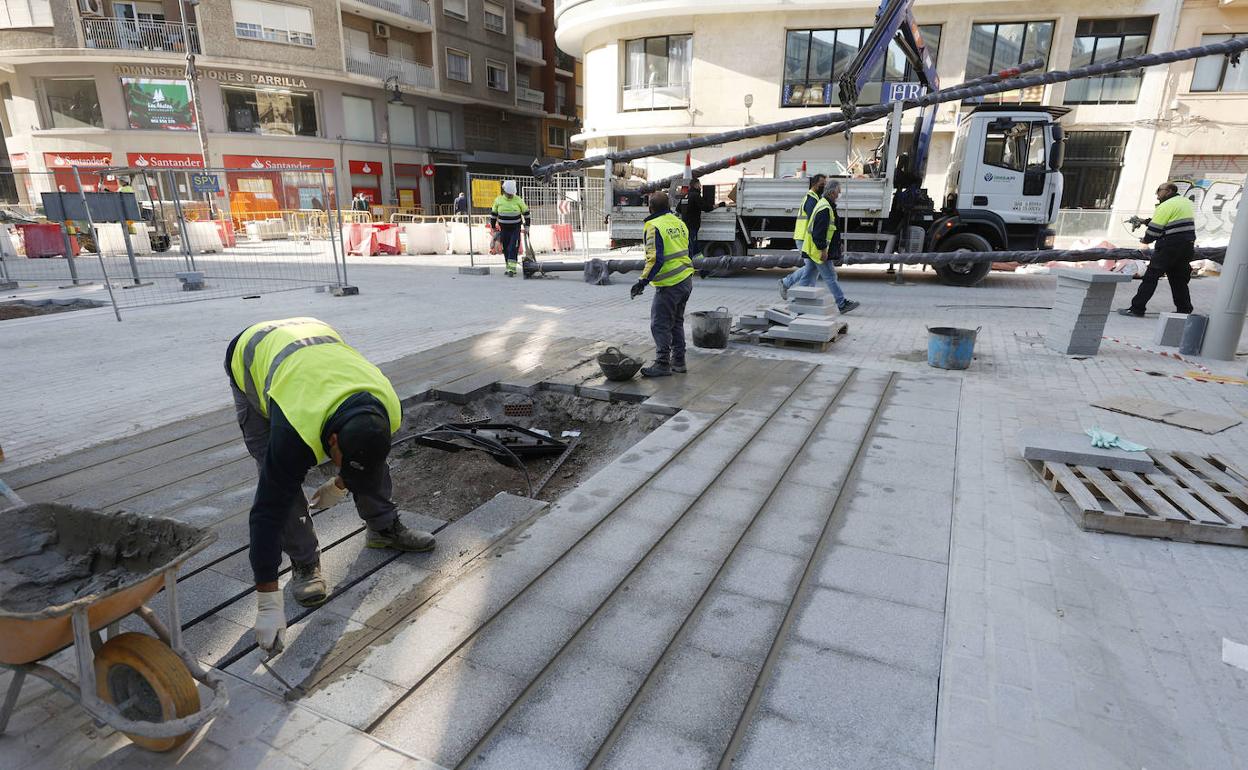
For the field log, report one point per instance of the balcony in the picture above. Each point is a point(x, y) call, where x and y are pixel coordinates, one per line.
point(375, 65)
point(529, 49)
point(412, 11)
point(565, 63)
point(532, 6)
point(138, 35)
point(656, 97)
point(530, 95)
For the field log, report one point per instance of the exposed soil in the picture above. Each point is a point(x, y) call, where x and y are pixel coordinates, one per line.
point(11, 310)
point(447, 485)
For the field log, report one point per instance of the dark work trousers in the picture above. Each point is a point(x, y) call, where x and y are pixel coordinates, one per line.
point(511, 245)
point(667, 321)
point(299, 536)
point(1174, 262)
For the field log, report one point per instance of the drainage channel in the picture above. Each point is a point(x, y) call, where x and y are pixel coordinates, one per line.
point(705, 436)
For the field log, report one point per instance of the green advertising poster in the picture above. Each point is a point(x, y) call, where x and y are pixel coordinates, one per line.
point(159, 104)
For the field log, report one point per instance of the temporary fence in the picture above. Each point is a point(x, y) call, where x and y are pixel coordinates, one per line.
point(185, 235)
point(567, 215)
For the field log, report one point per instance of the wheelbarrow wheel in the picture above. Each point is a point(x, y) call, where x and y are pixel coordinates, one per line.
point(147, 682)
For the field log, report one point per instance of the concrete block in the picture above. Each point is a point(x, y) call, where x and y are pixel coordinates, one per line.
point(510, 750)
point(762, 574)
point(634, 628)
point(808, 292)
point(523, 637)
point(1067, 275)
point(417, 647)
point(896, 634)
point(1037, 443)
point(648, 745)
point(699, 695)
point(753, 322)
point(779, 316)
point(580, 582)
point(889, 576)
point(344, 291)
point(800, 335)
point(773, 743)
point(737, 626)
point(478, 270)
point(577, 703)
point(1170, 329)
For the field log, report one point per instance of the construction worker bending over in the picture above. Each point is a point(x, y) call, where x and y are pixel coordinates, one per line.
point(670, 270)
point(823, 247)
point(804, 212)
point(1173, 228)
point(302, 396)
point(509, 214)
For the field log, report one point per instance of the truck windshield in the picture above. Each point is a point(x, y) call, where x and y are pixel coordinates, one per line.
point(1015, 146)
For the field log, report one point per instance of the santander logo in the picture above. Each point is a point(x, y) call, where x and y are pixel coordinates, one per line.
point(367, 169)
point(59, 161)
point(141, 162)
point(257, 164)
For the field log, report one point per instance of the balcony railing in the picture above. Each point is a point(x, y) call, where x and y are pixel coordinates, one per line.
point(529, 48)
point(530, 95)
point(416, 10)
point(565, 62)
point(376, 65)
point(656, 97)
point(138, 35)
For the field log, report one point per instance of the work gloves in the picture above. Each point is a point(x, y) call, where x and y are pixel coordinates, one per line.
point(637, 289)
point(270, 621)
point(327, 495)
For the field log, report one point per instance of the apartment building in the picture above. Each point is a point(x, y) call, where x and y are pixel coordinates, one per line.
point(664, 69)
point(398, 98)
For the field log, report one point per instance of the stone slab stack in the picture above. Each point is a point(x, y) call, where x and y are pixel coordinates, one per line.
point(1080, 309)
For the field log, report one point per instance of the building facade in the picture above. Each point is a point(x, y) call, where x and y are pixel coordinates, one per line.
point(398, 98)
point(665, 69)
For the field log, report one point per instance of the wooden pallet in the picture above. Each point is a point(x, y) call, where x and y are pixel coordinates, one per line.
point(1188, 497)
point(755, 337)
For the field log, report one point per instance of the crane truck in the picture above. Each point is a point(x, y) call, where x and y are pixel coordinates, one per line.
point(1003, 187)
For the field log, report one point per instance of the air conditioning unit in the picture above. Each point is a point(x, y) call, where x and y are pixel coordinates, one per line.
point(91, 7)
point(381, 30)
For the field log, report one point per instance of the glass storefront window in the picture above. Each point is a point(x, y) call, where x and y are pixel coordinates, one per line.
point(73, 103)
point(270, 111)
point(815, 60)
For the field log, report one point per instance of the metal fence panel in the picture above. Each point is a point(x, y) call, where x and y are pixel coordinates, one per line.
point(567, 214)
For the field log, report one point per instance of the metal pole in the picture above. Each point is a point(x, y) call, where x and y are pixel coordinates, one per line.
point(472, 262)
point(99, 250)
point(191, 84)
point(580, 204)
point(69, 253)
point(329, 229)
point(183, 229)
point(338, 208)
point(134, 265)
point(1226, 320)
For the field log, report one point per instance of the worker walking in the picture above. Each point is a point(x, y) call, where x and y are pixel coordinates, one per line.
point(804, 212)
point(1173, 230)
point(694, 207)
point(670, 270)
point(302, 396)
point(822, 247)
point(510, 214)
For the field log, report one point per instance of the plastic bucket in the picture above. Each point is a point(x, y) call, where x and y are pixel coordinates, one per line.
point(710, 327)
point(949, 347)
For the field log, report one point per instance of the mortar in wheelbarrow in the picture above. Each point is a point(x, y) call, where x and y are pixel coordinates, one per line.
point(56, 558)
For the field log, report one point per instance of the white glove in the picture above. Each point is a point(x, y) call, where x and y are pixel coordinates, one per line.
point(270, 621)
point(327, 495)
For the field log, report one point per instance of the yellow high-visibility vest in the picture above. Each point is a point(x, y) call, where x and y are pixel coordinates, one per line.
point(677, 266)
point(799, 227)
point(808, 247)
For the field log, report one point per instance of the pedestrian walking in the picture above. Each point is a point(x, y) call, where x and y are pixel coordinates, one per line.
point(1172, 230)
point(461, 205)
point(822, 247)
point(670, 270)
point(510, 215)
point(302, 396)
point(694, 206)
point(804, 212)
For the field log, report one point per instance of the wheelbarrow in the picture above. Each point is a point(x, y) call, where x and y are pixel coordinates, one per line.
point(93, 570)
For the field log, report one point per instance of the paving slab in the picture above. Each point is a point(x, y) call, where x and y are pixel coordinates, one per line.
point(1047, 444)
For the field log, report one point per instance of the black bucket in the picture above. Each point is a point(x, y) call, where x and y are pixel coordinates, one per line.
point(710, 328)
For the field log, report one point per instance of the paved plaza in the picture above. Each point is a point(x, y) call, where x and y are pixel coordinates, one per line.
point(821, 560)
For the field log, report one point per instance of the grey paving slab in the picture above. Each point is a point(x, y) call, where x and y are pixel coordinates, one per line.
point(776, 743)
point(635, 627)
point(898, 635)
point(523, 637)
point(519, 362)
point(411, 651)
point(894, 577)
point(1076, 449)
point(354, 698)
point(736, 626)
point(579, 582)
point(511, 751)
point(649, 745)
point(762, 574)
point(698, 694)
point(305, 644)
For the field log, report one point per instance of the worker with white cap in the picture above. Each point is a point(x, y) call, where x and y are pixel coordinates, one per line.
point(509, 214)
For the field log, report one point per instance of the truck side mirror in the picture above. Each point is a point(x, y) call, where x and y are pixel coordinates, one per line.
point(1058, 154)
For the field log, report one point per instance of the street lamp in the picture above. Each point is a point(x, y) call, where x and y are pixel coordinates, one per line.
point(396, 97)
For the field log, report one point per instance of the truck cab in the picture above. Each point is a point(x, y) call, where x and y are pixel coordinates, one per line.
point(1004, 184)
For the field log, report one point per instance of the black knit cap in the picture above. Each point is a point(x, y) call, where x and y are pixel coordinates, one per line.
point(364, 440)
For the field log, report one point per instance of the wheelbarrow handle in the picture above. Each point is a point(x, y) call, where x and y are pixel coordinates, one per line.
point(618, 352)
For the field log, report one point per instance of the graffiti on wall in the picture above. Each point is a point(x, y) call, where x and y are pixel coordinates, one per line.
point(1214, 184)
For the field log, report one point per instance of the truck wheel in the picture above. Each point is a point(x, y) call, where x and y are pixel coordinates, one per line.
point(964, 273)
point(147, 682)
point(717, 249)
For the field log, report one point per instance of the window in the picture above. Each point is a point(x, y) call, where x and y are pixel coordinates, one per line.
point(73, 103)
point(495, 18)
point(456, 8)
point(272, 111)
point(814, 60)
point(356, 39)
point(458, 66)
point(402, 118)
point(1017, 146)
point(995, 47)
point(561, 98)
point(25, 13)
point(496, 75)
point(6, 109)
point(273, 22)
point(397, 49)
point(557, 136)
point(657, 72)
point(441, 133)
point(1091, 168)
point(357, 118)
point(1101, 40)
point(1218, 73)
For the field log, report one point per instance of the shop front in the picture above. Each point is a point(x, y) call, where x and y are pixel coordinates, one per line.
point(163, 185)
point(366, 179)
point(270, 183)
point(407, 178)
point(63, 164)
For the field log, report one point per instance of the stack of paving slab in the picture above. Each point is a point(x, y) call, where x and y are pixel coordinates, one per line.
point(808, 317)
point(1080, 309)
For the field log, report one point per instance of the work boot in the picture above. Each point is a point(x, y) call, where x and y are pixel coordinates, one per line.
point(848, 306)
point(679, 367)
point(307, 585)
point(784, 290)
point(400, 538)
point(657, 369)
point(1129, 311)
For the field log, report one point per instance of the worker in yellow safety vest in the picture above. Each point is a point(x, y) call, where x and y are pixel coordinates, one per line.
point(302, 396)
point(510, 215)
point(800, 225)
point(669, 270)
point(1172, 229)
point(822, 247)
